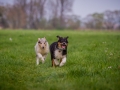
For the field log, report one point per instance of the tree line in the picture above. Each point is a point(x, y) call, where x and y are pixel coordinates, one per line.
point(53, 14)
point(109, 20)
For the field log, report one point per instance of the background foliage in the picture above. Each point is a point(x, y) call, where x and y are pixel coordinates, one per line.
point(53, 14)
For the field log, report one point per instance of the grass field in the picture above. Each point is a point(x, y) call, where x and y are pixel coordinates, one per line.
point(93, 61)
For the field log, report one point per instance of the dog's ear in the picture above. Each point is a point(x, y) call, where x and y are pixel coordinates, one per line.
point(44, 38)
point(38, 39)
point(58, 36)
point(67, 37)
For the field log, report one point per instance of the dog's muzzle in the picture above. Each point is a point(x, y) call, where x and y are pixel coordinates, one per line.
point(64, 45)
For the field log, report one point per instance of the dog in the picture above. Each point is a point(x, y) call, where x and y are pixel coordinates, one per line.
point(58, 51)
point(41, 49)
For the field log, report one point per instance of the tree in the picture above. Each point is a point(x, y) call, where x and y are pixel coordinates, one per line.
point(117, 18)
point(88, 21)
point(26, 14)
point(109, 20)
point(73, 22)
point(94, 21)
point(3, 21)
point(36, 11)
point(59, 10)
point(16, 14)
point(65, 7)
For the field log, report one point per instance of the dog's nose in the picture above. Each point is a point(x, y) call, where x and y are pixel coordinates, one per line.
point(64, 43)
point(42, 47)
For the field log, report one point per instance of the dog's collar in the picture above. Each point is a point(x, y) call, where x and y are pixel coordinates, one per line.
point(58, 48)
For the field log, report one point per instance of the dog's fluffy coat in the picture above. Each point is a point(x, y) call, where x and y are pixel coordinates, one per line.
point(58, 51)
point(41, 49)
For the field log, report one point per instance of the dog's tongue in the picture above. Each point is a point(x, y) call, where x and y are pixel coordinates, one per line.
point(63, 47)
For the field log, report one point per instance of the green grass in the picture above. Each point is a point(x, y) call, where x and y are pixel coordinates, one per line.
point(93, 61)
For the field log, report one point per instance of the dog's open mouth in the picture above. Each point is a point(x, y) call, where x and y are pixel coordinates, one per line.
point(63, 46)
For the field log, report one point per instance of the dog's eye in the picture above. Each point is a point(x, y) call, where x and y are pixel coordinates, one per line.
point(45, 42)
point(39, 42)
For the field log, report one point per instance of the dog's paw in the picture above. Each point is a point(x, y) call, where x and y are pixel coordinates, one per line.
point(56, 62)
point(43, 60)
point(37, 63)
point(61, 64)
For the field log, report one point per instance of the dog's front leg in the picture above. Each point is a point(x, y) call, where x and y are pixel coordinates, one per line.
point(37, 60)
point(44, 56)
point(39, 56)
point(63, 61)
point(53, 63)
point(56, 62)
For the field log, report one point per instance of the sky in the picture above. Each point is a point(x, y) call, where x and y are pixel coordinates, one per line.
point(84, 7)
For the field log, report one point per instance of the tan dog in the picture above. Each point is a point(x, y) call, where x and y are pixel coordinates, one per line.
point(41, 49)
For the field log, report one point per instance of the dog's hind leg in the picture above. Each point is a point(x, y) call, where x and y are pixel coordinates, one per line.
point(63, 62)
